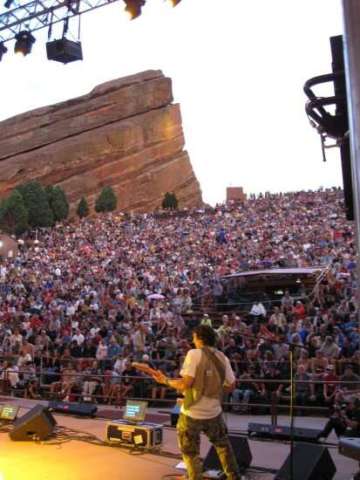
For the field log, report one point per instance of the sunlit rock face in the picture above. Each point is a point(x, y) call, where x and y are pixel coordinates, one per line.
point(126, 133)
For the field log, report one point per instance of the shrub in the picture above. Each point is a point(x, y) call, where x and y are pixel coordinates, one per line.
point(13, 214)
point(58, 202)
point(106, 201)
point(82, 208)
point(170, 201)
point(37, 204)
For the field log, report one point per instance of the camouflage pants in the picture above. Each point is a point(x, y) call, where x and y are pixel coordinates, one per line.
point(189, 430)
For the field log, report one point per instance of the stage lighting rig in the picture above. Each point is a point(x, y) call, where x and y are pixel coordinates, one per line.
point(39, 14)
point(3, 50)
point(133, 7)
point(24, 42)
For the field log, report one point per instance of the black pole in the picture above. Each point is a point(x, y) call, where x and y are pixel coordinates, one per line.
point(292, 413)
point(337, 53)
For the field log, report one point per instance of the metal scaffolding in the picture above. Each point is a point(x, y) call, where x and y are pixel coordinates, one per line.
point(40, 14)
point(351, 11)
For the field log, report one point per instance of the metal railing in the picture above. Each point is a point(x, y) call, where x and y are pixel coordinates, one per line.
point(140, 386)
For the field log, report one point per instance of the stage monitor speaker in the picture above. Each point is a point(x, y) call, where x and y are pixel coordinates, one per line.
point(242, 452)
point(311, 462)
point(78, 409)
point(36, 424)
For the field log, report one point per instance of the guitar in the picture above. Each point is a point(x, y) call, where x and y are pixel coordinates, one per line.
point(144, 367)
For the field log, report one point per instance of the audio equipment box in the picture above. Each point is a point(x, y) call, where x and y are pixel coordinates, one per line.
point(125, 433)
point(283, 432)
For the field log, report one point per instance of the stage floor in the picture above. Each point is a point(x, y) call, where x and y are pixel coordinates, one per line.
point(82, 461)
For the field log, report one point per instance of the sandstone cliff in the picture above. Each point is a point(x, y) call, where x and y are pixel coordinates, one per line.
point(126, 133)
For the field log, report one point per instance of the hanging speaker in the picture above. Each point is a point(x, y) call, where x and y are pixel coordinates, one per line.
point(242, 453)
point(311, 462)
point(36, 424)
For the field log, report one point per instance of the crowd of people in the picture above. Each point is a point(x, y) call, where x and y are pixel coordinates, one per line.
point(81, 301)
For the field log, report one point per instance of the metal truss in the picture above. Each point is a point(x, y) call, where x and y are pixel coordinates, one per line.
point(40, 14)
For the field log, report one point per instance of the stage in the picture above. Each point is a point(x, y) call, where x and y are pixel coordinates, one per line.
point(76, 460)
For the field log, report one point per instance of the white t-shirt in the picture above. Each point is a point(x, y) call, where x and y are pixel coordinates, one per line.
point(79, 338)
point(206, 407)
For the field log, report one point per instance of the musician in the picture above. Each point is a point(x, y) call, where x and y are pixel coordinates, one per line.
point(345, 420)
point(352, 380)
point(205, 376)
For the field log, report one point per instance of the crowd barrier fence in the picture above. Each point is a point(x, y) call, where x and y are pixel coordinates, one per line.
point(269, 402)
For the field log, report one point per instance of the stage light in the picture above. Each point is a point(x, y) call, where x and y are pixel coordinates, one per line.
point(8, 3)
point(3, 50)
point(175, 2)
point(133, 8)
point(24, 42)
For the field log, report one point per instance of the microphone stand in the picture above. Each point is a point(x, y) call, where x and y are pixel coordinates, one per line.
point(292, 347)
point(292, 411)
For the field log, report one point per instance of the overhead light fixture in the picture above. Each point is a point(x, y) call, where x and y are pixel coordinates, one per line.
point(8, 3)
point(133, 8)
point(3, 50)
point(64, 50)
point(24, 42)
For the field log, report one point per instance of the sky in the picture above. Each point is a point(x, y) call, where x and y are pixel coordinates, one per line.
point(238, 68)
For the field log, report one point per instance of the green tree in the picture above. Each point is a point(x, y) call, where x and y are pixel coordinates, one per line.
point(83, 208)
point(58, 202)
point(170, 201)
point(106, 201)
point(37, 204)
point(13, 214)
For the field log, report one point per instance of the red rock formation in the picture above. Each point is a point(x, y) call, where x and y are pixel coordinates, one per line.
point(126, 133)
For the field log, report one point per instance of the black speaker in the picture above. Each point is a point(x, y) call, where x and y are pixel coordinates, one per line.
point(64, 50)
point(78, 409)
point(311, 462)
point(242, 452)
point(283, 432)
point(37, 423)
point(174, 415)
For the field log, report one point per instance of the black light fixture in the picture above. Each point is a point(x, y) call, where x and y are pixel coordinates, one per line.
point(3, 50)
point(8, 3)
point(24, 42)
point(133, 7)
